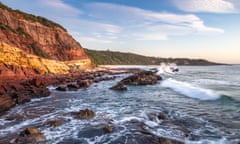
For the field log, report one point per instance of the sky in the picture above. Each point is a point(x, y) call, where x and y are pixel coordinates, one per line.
point(208, 29)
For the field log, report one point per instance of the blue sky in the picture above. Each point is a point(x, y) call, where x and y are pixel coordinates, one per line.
point(208, 29)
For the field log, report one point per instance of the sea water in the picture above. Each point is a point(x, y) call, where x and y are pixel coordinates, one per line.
point(202, 101)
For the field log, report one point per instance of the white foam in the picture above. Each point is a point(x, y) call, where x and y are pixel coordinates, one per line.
point(127, 119)
point(190, 90)
point(166, 68)
point(206, 141)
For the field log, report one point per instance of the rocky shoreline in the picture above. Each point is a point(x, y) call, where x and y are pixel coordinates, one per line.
point(19, 91)
point(16, 92)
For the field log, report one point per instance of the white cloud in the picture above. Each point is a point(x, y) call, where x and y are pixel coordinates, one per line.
point(143, 24)
point(107, 23)
point(212, 6)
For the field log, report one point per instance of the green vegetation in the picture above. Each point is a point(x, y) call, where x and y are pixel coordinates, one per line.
point(37, 51)
point(119, 58)
point(33, 18)
point(20, 31)
point(6, 27)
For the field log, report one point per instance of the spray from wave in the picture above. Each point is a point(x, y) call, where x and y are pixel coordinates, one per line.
point(169, 68)
point(190, 90)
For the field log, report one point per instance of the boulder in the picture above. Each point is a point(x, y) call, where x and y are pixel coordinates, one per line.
point(139, 134)
point(39, 92)
point(23, 98)
point(142, 78)
point(108, 128)
point(38, 82)
point(73, 86)
point(6, 102)
point(30, 135)
point(84, 83)
point(161, 116)
point(61, 88)
point(119, 86)
point(55, 123)
point(84, 114)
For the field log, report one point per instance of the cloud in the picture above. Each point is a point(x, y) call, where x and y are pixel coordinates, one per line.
point(211, 6)
point(107, 23)
point(140, 24)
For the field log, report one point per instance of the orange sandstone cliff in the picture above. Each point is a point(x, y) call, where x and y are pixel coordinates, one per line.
point(32, 45)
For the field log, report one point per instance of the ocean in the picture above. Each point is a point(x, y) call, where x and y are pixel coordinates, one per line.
point(201, 103)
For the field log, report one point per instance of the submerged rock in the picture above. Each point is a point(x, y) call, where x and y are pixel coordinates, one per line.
point(6, 102)
point(138, 134)
point(142, 78)
point(73, 86)
point(84, 114)
point(161, 116)
point(55, 123)
point(108, 128)
point(61, 88)
point(30, 135)
point(84, 83)
point(119, 86)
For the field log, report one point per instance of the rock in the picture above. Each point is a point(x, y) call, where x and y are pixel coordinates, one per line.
point(156, 116)
point(119, 86)
point(84, 83)
point(108, 128)
point(73, 86)
point(142, 78)
point(139, 134)
point(55, 123)
point(6, 102)
point(61, 88)
point(38, 82)
point(30, 135)
point(84, 114)
point(23, 98)
point(161, 116)
point(39, 92)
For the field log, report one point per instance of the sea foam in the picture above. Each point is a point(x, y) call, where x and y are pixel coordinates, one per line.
point(189, 90)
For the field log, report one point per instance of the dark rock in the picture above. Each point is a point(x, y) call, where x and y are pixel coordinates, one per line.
point(156, 116)
point(84, 114)
point(84, 83)
point(39, 92)
point(61, 88)
point(161, 116)
point(119, 86)
point(73, 86)
point(30, 135)
point(38, 82)
point(6, 102)
point(138, 134)
point(142, 78)
point(108, 128)
point(23, 98)
point(55, 123)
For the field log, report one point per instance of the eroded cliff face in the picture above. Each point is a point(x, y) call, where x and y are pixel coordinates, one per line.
point(32, 45)
point(18, 64)
point(38, 36)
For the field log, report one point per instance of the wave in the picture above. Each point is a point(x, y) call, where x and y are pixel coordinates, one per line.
point(190, 90)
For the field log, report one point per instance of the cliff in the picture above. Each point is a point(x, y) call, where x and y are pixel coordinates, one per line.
point(32, 45)
point(37, 35)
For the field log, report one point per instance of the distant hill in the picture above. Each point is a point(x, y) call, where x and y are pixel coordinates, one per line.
point(120, 58)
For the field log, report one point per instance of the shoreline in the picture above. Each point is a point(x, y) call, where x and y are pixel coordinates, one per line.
point(19, 91)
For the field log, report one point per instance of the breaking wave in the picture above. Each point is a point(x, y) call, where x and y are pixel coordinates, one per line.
point(190, 90)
